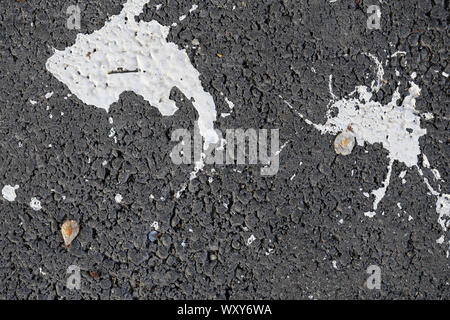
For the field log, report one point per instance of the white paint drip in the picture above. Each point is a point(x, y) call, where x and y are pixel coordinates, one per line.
point(126, 55)
point(9, 192)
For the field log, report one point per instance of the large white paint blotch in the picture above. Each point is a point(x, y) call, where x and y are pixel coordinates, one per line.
point(126, 55)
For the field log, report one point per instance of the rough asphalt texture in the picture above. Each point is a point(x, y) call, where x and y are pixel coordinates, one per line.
point(268, 48)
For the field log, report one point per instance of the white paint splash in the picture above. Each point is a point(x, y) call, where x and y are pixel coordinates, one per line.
point(396, 126)
point(9, 192)
point(126, 55)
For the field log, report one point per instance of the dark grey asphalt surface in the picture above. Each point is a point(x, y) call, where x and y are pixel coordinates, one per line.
point(268, 49)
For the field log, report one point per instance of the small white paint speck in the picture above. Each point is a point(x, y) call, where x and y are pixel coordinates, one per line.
point(35, 204)
point(440, 240)
point(229, 103)
point(370, 214)
point(193, 8)
point(334, 264)
point(49, 95)
point(250, 240)
point(118, 198)
point(155, 225)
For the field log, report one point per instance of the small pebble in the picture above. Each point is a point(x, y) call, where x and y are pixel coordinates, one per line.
point(152, 236)
point(344, 143)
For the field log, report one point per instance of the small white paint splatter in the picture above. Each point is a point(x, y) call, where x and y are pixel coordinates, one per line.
point(35, 204)
point(118, 198)
point(370, 214)
point(193, 8)
point(334, 263)
point(397, 53)
point(155, 225)
point(229, 103)
point(9, 192)
point(33, 102)
point(250, 240)
point(48, 95)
